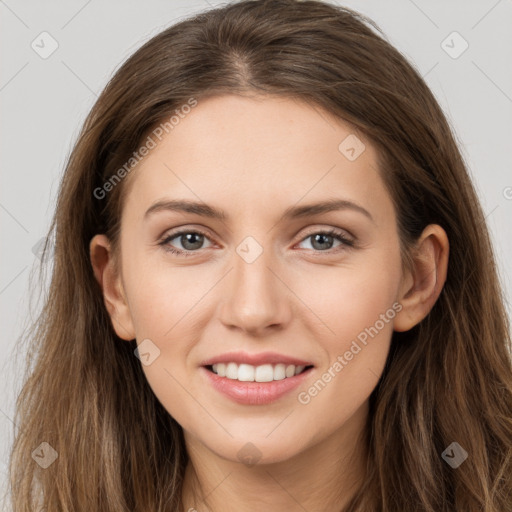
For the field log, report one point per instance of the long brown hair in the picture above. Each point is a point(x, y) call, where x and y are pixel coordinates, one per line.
point(447, 379)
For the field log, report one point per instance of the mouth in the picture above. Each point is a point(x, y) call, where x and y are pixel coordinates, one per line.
point(257, 378)
point(251, 385)
point(262, 373)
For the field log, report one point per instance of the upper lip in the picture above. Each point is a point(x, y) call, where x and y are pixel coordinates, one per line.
point(255, 359)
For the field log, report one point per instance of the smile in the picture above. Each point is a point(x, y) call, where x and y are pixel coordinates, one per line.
point(253, 392)
point(261, 373)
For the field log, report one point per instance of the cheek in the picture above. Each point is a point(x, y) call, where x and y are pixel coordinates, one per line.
point(344, 301)
point(164, 300)
point(357, 311)
point(357, 324)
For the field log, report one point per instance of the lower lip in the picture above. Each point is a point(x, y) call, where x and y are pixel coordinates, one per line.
point(255, 393)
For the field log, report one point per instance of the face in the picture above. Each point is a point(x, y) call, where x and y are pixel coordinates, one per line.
point(301, 300)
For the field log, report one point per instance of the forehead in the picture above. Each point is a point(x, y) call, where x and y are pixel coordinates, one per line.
point(254, 152)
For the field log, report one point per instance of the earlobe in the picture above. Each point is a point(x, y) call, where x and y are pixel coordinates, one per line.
point(423, 285)
point(109, 279)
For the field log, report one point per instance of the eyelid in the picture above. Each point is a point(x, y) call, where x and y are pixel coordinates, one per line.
point(187, 228)
point(347, 242)
point(335, 229)
point(174, 233)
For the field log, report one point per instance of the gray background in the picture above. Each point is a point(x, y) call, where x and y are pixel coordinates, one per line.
point(44, 102)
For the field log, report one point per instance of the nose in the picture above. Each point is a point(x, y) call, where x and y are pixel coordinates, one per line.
point(257, 298)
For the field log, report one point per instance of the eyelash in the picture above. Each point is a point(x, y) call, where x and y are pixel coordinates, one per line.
point(331, 232)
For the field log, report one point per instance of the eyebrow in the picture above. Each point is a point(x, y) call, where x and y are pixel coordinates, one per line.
point(292, 212)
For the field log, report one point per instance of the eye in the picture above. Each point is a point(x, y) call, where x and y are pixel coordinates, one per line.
point(322, 240)
point(190, 240)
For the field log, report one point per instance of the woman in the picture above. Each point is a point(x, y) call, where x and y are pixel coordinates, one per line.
point(200, 347)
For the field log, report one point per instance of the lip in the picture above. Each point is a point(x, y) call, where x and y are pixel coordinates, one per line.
point(255, 393)
point(255, 359)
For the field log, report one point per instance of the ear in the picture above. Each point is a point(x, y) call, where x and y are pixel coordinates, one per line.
point(109, 278)
point(421, 286)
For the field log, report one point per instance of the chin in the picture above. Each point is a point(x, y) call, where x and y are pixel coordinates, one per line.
point(256, 450)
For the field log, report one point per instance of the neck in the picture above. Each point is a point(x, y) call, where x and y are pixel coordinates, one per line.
point(324, 476)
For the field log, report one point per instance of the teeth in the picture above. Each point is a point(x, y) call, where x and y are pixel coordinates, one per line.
point(279, 372)
point(221, 369)
point(246, 372)
point(299, 369)
point(232, 371)
point(290, 370)
point(250, 373)
point(263, 373)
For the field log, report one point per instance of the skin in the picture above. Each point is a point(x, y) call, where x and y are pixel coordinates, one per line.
point(254, 157)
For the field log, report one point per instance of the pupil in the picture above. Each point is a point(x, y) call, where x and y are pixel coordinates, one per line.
point(195, 245)
point(321, 236)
